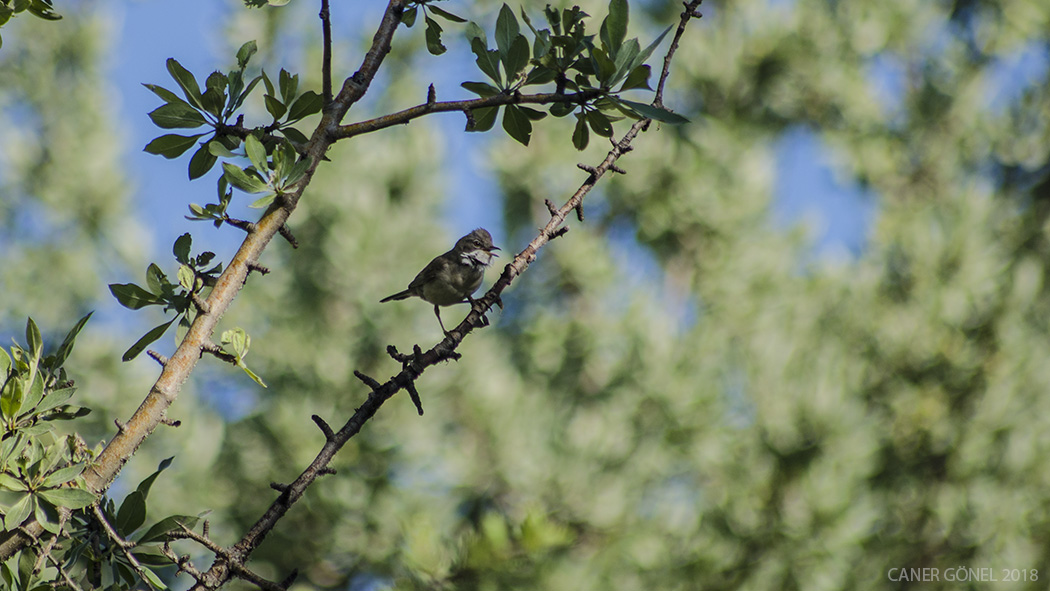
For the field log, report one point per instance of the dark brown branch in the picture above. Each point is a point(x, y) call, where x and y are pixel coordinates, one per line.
point(162, 360)
point(286, 233)
point(258, 268)
point(414, 395)
point(323, 425)
point(326, 53)
point(466, 106)
point(369, 381)
point(218, 353)
point(248, 227)
point(683, 20)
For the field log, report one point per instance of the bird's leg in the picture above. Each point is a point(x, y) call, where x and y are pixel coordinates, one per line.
point(438, 314)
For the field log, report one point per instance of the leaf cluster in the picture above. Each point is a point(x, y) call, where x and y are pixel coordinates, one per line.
point(433, 28)
point(41, 472)
point(216, 105)
point(39, 8)
point(119, 555)
point(193, 278)
point(565, 55)
point(274, 170)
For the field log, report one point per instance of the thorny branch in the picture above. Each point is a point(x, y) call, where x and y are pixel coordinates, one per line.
point(230, 562)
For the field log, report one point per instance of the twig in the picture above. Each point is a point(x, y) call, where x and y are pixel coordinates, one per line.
point(687, 14)
point(326, 53)
point(466, 106)
point(124, 545)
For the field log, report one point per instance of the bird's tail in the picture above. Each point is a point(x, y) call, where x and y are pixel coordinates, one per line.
point(401, 295)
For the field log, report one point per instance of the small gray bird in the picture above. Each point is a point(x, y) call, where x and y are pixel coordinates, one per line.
point(452, 277)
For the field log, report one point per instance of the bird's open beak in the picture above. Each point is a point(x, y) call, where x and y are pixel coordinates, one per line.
point(492, 253)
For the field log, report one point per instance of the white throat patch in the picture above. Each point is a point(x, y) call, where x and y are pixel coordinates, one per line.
point(476, 258)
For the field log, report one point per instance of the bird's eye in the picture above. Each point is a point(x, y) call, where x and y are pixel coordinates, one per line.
point(477, 244)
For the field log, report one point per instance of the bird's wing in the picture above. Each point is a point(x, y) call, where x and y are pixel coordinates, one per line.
point(433, 268)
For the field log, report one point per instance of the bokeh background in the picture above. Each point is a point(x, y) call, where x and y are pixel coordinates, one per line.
point(803, 342)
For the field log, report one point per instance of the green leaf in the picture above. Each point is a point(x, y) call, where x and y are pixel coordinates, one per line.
point(63, 475)
point(263, 201)
point(70, 498)
point(186, 277)
point(307, 104)
point(155, 279)
point(256, 153)
point(35, 393)
point(238, 340)
point(296, 172)
point(201, 162)
point(252, 375)
point(599, 123)
point(54, 399)
point(638, 78)
point(614, 27)
point(657, 113)
point(289, 85)
point(644, 55)
point(433, 37)
point(11, 404)
point(488, 61)
point(67, 343)
point(274, 106)
point(43, 10)
point(10, 483)
point(562, 109)
point(218, 82)
point(517, 124)
point(132, 296)
point(295, 135)
point(624, 61)
point(507, 30)
point(132, 513)
point(176, 115)
point(245, 53)
point(181, 248)
point(604, 68)
point(171, 145)
point(217, 149)
point(482, 89)
point(186, 82)
point(540, 75)
point(166, 95)
point(18, 512)
point(517, 57)
point(267, 83)
point(446, 14)
point(146, 340)
point(580, 135)
point(473, 31)
point(33, 339)
point(484, 119)
point(236, 104)
point(243, 180)
point(408, 17)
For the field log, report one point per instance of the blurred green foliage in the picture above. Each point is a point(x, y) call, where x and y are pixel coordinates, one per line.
point(742, 416)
